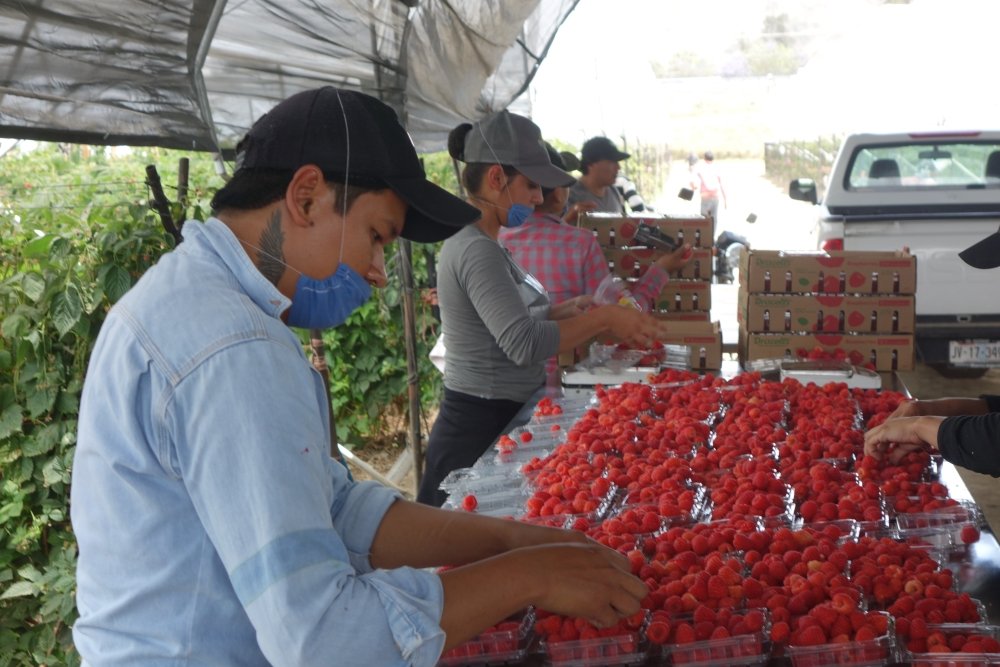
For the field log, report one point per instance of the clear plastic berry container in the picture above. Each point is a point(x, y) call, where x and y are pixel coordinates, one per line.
point(739, 649)
point(961, 645)
point(507, 643)
point(628, 648)
point(865, 653)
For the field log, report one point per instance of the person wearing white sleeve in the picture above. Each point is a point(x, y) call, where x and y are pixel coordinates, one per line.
point(213, 526)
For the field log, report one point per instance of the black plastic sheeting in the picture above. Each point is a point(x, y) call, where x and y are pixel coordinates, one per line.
point(194, 74)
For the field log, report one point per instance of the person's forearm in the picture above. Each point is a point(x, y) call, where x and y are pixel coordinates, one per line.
point(952, 407)
point(416, 535)
point(926, 429)
point(576, 331)
point(482, 594)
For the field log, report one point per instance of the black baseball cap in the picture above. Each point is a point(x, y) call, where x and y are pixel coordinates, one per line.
point(509, 139)
point(321, 125)
point(985, 254)
point(601, 148)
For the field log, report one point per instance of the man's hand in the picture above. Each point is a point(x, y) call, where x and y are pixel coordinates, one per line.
point(676, 260)
point(899, 436)
point(585, 580)
point(574, 211)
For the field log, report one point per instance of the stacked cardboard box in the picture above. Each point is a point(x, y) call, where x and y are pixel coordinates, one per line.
point(856, 305)
point(686, 299)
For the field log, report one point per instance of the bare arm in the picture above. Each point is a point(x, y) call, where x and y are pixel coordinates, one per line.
point(898, 437)
point(504, 566)
point(623, 322)
point(941, 407)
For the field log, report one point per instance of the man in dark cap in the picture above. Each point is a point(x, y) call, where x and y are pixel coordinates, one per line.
point(213, 526)
point(599, 158)
point(966, 431)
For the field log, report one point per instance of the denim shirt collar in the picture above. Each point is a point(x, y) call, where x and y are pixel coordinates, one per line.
point(215, 236)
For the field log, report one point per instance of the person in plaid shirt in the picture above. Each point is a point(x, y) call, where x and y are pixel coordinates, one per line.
point(567, 260)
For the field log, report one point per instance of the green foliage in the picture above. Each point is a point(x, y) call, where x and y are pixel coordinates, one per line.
point(787, 160)
point(76, 232)
point(367, 360)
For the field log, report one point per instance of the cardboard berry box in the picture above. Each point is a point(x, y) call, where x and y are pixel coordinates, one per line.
point(617, 231)
point(846, 271)
point(829, 313)
point(634, 262)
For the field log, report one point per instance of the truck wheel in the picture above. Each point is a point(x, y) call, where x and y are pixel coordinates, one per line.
point(959, 373)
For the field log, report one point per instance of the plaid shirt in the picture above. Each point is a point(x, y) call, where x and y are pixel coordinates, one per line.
point(567, 260)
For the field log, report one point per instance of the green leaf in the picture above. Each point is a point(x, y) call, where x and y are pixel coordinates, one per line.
point(43, 440)
point(38, 247)
point(116, 281)
point(11, 510)
point(19, 590)
point(15, 326)
point(33, 285)
point(66, 309)
point(41, 400)
point(10, 421)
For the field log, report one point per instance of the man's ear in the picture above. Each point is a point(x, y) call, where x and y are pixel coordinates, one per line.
point(304, 190)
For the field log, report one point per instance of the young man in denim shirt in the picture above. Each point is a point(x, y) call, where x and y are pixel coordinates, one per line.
point(213, 526)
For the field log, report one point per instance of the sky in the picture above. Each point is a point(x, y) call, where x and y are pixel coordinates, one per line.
point(868, 66)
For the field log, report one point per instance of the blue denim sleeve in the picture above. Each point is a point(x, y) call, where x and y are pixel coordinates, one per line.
point(248, 437)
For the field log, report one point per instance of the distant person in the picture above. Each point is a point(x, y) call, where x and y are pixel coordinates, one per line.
point(599, 160)
point(966, 431)
point(708, 183)
point(567, 260)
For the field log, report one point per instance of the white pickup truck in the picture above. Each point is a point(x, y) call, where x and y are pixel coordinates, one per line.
point(935, 193)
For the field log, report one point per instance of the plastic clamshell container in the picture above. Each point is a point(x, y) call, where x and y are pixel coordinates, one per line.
point(499, 647)
point(954, 518)
point(869, 653)
point(629, 648)
point(744, 650)
point(956, 658)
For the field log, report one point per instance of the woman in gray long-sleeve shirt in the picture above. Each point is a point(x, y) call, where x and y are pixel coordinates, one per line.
point(498, 324)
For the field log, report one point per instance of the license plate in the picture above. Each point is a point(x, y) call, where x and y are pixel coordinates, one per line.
point(980, 353)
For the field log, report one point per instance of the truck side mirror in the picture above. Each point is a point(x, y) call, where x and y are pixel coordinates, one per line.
point(803, 189)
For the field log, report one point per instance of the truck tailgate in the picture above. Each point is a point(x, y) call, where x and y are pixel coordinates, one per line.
point(945, 284)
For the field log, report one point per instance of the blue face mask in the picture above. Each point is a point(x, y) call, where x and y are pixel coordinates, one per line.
point(517, 214)
point(321, 304)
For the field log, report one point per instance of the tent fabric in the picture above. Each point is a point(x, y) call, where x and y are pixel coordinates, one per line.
point(194, 74)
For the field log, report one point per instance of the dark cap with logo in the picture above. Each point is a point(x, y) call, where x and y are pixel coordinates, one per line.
point(509, 139)
point(596, 149)
point(985, 254)
point(358, 139)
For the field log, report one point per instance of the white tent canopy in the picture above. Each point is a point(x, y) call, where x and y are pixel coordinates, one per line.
point(194, 74)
